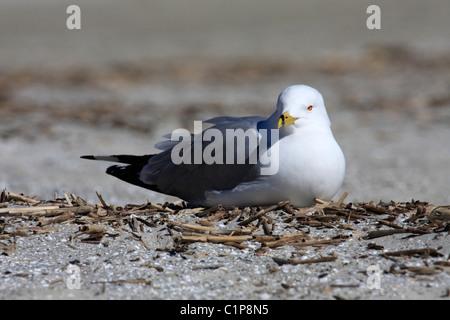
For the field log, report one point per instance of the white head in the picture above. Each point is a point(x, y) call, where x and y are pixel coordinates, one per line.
point(300, 106)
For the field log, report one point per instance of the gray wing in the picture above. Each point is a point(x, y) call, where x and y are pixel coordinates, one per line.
point(190, 181)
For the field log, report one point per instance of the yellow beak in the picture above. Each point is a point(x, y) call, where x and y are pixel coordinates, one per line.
point(285, 120)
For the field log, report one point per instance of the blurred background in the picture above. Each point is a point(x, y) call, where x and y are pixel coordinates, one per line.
point(139, 69)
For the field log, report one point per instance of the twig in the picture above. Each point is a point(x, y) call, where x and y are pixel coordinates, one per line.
point(390, 224)
point(318, 242)
point(210, 266)
point(383, 233)
point(26, 210)
point(19, 197)
point(423, 252)
point(440, 213)
point(47, 229)
point(210, 238)
point(285, 241)
point(4, 195)
point(160, 208)
point(374, 209)
point(209, 210)
point(236, 245)
point(99, 196)
point(60, 219)
point(258, 215)
point(424, 270)
point(320, 201)
point(191, 226)
point(341, 199)
point(132, 281)
point(266, 227)
point(233, 232)
point(281, 261)
point(69, 202)
point(217, 216)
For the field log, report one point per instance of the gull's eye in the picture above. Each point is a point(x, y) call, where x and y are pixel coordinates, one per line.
point(310, 108)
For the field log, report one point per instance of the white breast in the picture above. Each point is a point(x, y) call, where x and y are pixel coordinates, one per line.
point(311, 164)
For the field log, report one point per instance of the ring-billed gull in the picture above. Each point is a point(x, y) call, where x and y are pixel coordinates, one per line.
point(305, 159)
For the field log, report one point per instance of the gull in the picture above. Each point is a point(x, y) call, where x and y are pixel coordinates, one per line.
point(307, 161)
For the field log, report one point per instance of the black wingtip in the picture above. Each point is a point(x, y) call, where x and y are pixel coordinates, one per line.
point(122, 158)
point(130, 174)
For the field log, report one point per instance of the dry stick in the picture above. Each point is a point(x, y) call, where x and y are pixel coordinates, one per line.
point(133, 281)
point(205, 222)
point(302, 213)
point(266, 227)
point(236, 211)
point(46, 229)
point(90, 229)
point(320, 201)
point(297, 241)
point(232, 232)
point(258, 215)
point(62, 218)
point(411, 252)
point(26, 210)
point(352, 216)
point(390, 224)
point(442, 263)
point(417, 231)
point(52, 282)
point(191, 226)
point(270, 238)
point(424, 270)
point(4, 195)
point(289, 209)
point(10, 249)
point(69, 202)
point(318, 242)
point(99, 196)
point(440, 213)
point(266, 238)
point(209, 238)
point(341, 199)
point(374, 209)
point(217, 216)
point(383, 233)
point(284, 241)
point(281, 261)
point(209, 210)
point(19, 197)
point(139, 238)
point(160, 208)
point(83, 210)
point(44, 211)
point(236, 245)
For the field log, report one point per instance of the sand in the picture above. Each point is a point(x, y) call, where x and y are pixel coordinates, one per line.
point(137, 71)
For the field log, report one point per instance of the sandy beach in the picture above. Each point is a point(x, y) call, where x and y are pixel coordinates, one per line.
point(136, 71)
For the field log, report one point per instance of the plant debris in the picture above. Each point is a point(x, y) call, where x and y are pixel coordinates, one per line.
point(263, 229)
point(249, 224)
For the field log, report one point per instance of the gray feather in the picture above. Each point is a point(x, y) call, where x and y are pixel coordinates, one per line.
point(191, 181)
